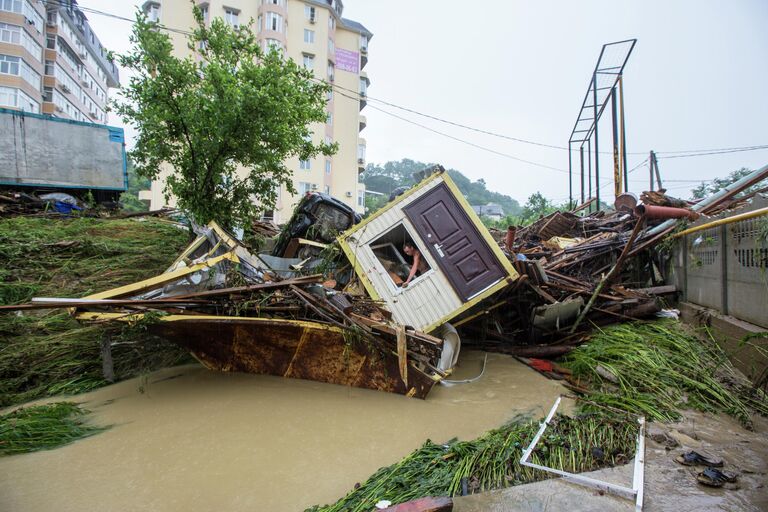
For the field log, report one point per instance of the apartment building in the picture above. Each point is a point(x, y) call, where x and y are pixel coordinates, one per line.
point(51, 62)
point(316, 35)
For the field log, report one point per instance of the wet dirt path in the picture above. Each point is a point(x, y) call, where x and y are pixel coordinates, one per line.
point(193, 440)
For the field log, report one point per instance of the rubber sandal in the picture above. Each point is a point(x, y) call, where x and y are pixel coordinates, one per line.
point(713, 477)
point(693, 458)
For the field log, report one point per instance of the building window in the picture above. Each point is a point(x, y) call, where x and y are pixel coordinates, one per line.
point(231, 17)
point(361, 198)
point(331, 47)
point(204, 12)
point(363, 87)
point(330, 71)
point(48, 94)
point(329, 96)
point(63, 105)
point(309, 13)
point(153, 12)
point(309, 36)
point(274, 22)
point(9, 65)
point(280, 3)
point(13, 34)
point(363, 43)
point(327, 190)
point(361, 152)
point(12, 97)
point(66, 83)
point(329, 119)
point(33, 17)
point(49, 68)
point(328, 140)
point(308, 61)
point(331, 23)
point(327, 167)
point(50, 42)
point(305, 165)
point(304, 187)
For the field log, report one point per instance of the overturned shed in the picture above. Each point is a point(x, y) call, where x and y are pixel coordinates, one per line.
point(463, 264)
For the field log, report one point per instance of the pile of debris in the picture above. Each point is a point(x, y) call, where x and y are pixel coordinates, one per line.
point(14, 203)
point(235, 312)
point(583, 270)
point(328, 303)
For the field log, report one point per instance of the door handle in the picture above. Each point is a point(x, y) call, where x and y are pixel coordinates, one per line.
point(438, 248)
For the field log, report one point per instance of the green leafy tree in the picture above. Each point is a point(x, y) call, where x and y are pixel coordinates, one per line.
point(223, 121)
point(716, 185)
point(129, 200)
point(537, 206)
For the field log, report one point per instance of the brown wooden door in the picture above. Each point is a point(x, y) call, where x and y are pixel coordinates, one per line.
point(453, 241)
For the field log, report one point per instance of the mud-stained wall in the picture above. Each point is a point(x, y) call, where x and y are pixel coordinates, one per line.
point(726, 267)
point(35, 150)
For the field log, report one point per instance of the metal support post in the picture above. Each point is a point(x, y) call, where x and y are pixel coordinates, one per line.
point(581, 157)
point(597, 147)
point(623, 134)
point(570, 179)
point(617, 188)
point(589, 165)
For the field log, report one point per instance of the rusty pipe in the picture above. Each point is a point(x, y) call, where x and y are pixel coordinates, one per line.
point(664, 212)
point(509, 240)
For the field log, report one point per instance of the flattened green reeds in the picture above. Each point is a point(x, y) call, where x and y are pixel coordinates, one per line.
point(43, 427)
point(45, 353)
point(658, 368)
point(492, 461)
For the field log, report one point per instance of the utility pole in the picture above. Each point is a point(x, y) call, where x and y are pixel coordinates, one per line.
point(654, 169)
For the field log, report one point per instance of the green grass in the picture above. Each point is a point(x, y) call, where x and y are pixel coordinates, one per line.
point(660, 368)
point(43, 427)
point(576, 444)
point(46, 353)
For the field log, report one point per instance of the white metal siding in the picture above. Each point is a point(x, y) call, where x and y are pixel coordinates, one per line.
point(423, 302)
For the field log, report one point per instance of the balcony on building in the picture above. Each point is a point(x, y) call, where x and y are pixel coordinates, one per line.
point(363, 50)
point(363, 123)
point(363, 90)
point(360, 155)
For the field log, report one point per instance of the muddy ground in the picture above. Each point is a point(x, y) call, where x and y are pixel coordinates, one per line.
point(669, 486)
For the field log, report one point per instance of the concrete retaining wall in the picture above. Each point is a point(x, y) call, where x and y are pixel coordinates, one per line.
point(726, 267)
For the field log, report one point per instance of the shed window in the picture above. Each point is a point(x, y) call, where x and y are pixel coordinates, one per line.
point(390, 250)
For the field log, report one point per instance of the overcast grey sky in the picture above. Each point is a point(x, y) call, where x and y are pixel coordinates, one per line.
point(696, 80)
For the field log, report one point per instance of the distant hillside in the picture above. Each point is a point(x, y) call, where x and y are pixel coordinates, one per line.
point(391, 175)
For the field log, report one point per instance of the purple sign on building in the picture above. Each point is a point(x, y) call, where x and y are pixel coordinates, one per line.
point(347, 60)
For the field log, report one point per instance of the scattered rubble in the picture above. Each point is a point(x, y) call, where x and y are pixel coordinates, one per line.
point(355, 309)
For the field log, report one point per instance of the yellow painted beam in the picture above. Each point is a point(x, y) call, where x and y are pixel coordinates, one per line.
point(122, 317)
point(720, 222)
point(162, 278)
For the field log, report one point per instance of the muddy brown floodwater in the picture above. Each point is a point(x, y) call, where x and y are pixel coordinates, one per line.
point(190, 439)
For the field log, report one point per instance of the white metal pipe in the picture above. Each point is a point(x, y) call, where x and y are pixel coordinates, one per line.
point(753, 176)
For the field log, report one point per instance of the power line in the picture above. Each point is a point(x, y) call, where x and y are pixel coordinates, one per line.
point(673, 154)
point(718, 152)
point(512, 157)
point(711, 149)
point(459, 125)
point(60, 3)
